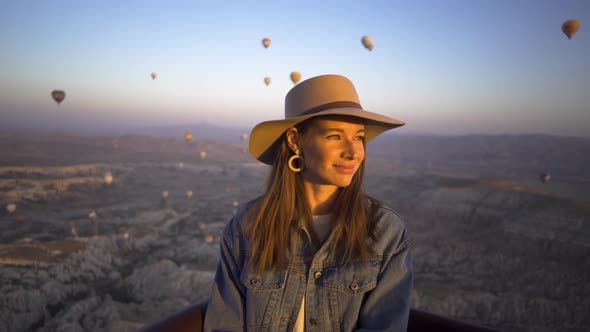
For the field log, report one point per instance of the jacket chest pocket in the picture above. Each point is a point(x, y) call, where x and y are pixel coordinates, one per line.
point(354, 278)
point(263, 293)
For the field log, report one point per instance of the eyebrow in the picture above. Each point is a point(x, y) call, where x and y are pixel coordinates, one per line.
point(340, 130)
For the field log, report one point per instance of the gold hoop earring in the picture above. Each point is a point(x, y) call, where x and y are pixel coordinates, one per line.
point(290, 163)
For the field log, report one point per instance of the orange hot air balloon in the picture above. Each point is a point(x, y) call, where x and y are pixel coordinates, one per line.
point(266, 42)
point(244, 136)
point(267, 80)
point(188, 137)
point(295, 77)
point(154, 75)
point(570, 27)
point(367, 42)
point(58, 96)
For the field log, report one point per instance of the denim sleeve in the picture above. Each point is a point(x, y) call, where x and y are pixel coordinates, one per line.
point(387, 306)
point(226, 309)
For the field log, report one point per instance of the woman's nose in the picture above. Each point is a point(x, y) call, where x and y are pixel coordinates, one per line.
point(353, 150)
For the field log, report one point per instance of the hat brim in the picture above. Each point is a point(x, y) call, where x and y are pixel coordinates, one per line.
point(265, 134)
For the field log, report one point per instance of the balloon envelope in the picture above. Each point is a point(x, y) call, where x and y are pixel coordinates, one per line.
point(367, 42)
point(203, 154)
point(188, 137)
point(267, 80)
point(244, 137)
point(266, 42)
point(92, 215)
point(570, 27)
point(154, 75)
point(295, 77)
point(58, 96)
point(108, 178)
point(11, 208)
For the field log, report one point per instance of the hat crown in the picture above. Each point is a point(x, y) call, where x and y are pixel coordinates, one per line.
point(320, 93)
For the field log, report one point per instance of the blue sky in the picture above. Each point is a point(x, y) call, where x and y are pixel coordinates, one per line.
point(444, 67)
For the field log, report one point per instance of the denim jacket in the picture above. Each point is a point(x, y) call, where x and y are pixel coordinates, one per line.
point(370, 295)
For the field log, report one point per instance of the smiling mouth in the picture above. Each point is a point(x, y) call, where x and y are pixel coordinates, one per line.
point(345, 167)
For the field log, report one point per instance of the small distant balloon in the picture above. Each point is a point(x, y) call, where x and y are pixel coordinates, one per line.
point(58, 96)
point(267, 80)
point(202, 226)
point(108, 178)
point(545, 177)
point(244, 136)
point(209, 238)
point(154, 75)
point(125, 235)
point(188, 137)
point(181, 165)
point(570, 27)
point(266, 42)
point(189, 194)
point(11, 208)
point(92, 216)
point(203, 154)
point(367, 42)
point(236, 203)
point(295, 77)
point(165, 194)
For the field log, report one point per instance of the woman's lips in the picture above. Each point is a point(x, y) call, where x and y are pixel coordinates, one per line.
point(345, 168)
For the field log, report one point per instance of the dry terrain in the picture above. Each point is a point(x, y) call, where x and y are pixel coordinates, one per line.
point(491, 243)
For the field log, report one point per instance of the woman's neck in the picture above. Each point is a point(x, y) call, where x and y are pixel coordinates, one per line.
point(321, 198)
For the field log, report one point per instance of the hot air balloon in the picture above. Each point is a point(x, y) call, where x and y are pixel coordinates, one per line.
point(92, 216)
point(266, 42)
point(11, 208)
point(154, 75)
point(367, 42)
point(267, 80)
point(295, 77)
point(236, 204)
point(58, 96)
point(108, 178)
point(189, 194)
point(203, 154)
point(570, 27)
point(545, 177)
point(165, 195)
point(244, 136)
point(209, 238)
point(181, 165)
point(188, 137)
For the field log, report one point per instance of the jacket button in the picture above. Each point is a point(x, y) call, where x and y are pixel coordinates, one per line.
point(317, 275)
point(354, 286)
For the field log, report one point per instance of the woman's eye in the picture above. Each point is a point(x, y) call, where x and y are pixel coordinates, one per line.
point(334, 137)
point(360, 138)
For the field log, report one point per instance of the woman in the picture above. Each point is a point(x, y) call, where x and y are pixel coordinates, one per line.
point(314, 253)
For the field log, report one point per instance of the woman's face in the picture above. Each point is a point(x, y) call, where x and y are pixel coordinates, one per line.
point(333, 150)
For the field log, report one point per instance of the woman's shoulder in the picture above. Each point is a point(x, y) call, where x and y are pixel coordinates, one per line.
point(235, 224)
point(390, 229)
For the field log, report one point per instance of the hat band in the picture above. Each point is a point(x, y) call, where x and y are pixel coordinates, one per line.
point(336, 104)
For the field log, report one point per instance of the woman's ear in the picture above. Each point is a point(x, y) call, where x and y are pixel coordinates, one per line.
point(293, 139)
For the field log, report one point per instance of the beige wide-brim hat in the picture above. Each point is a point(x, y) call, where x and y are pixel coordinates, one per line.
point(317, 96)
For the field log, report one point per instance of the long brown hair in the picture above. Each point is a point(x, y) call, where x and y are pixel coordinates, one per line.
point(271, 222)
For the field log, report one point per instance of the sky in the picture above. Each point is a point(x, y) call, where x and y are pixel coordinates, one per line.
point(443, 67)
